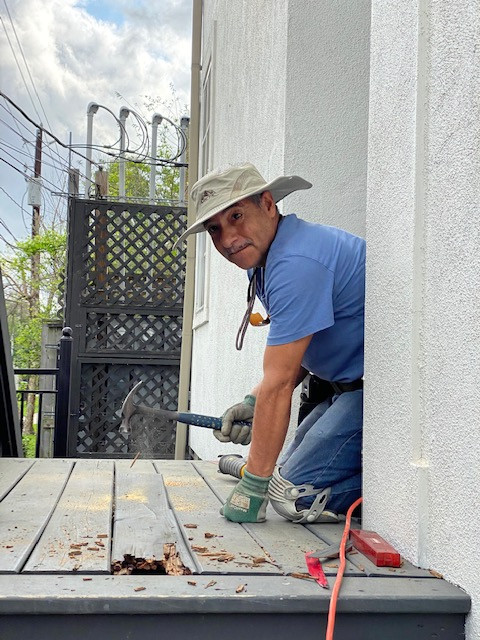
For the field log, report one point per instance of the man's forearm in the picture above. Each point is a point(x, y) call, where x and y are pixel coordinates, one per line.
point(300, 377)
point(272, 414)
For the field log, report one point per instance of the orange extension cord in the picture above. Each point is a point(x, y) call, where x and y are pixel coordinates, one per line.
point(332, 610)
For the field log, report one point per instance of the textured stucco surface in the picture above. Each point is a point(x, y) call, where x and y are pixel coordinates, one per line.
point(248, 121)
point(326, 113)
point(291, 95)
point(422, 454)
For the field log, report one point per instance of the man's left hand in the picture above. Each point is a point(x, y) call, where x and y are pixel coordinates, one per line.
point(248, 501)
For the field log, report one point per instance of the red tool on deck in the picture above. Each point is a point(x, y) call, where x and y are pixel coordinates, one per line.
point(314, 565)
point(315, 569)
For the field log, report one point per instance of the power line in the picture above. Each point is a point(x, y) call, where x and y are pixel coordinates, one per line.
point(26, 64)
point(16, 131)
point(159, 161)
point(39, 126)
point(59, 164)
point(55, 193)
point(19, 68)
point(28, 155)
point(27, 68)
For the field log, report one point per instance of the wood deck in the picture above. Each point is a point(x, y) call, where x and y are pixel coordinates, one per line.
point(66, 525)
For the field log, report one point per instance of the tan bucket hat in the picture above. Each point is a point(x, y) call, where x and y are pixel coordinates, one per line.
point(219, 190)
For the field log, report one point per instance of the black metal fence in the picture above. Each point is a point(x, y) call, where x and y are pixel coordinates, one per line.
point(61, 391)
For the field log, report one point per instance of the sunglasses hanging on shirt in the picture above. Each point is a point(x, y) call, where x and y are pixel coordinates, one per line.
point(255, 319)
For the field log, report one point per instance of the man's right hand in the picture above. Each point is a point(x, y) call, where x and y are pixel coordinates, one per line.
point(233, 432)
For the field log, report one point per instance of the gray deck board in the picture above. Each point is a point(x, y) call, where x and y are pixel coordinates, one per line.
point(195, 504)
point(58, 595)
point(143, 521)
point(69, 594)
point(140, 526)
point(11, 470)
point(286, 542)
point(26, 509)
point(83, 514)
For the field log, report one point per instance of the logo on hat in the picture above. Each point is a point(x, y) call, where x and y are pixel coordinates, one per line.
point(206, 195)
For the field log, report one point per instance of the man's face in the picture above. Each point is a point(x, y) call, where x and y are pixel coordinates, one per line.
point(244, 232)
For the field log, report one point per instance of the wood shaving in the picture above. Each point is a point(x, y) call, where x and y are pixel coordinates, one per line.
point(436, 574)
point(210, 584)
point(170, 564)
point(301, 576)
point(192, 582)
point(199, 548)
point(140, 588)
point(135, 459)
point(221, 557)
point(240, 588)
point(190, 526)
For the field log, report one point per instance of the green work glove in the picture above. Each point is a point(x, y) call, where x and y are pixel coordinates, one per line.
point(248, 501)
point(236, 433)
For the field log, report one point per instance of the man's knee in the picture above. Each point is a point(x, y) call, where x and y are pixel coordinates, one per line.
point(284, 495)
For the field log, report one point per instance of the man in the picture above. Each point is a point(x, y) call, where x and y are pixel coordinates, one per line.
point(311, 280)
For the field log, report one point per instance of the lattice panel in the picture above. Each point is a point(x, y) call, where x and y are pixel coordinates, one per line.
point(103, 389)
point(133, 332)
point(128, 258)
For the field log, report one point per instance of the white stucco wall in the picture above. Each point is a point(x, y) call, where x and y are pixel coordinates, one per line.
point(326, 113)
point(422, 407)
point(291, 96)
point(248, 125)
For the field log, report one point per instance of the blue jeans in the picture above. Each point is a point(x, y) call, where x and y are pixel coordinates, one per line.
point(327, 451)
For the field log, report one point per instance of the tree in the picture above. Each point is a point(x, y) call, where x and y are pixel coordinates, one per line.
point(32, 301)
point(137, 177)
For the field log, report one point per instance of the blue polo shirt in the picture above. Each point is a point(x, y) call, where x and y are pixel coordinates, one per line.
point(314, 283)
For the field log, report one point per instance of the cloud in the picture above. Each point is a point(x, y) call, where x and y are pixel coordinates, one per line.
point(75, 58)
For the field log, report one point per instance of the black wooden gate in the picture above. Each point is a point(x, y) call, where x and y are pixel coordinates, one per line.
point(124, 302)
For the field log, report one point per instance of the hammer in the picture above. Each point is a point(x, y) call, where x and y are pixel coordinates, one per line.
point(129, 408)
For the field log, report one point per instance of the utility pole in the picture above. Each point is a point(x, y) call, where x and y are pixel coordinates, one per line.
point(34, 292)
point(37, 172)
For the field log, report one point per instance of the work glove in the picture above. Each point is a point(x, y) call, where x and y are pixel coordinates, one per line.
point(236, 433)
point(248, 501)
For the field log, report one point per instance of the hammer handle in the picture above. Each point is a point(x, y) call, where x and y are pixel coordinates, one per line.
point(200, 420)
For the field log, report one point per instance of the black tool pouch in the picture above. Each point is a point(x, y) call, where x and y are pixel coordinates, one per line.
point(314, 391)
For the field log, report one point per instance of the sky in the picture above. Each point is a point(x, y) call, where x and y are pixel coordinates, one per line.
point(57, 56)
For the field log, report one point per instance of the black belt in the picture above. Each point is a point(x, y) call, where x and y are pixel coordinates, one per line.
point(342, 387)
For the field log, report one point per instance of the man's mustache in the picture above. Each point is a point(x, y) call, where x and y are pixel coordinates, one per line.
point(236, 248)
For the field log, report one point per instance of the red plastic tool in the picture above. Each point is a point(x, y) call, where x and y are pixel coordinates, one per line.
point(315, 570)
point(375, 548)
